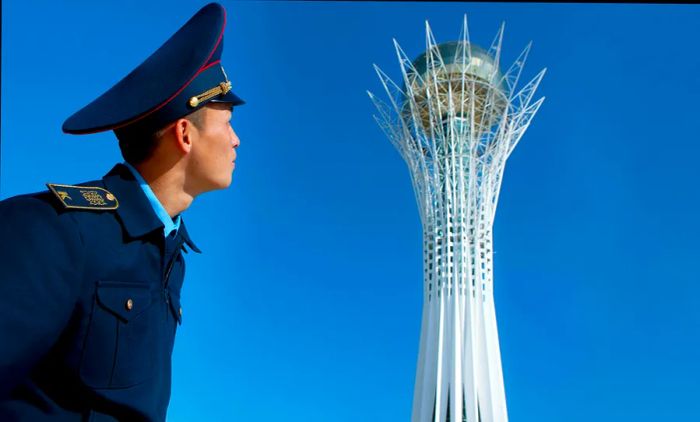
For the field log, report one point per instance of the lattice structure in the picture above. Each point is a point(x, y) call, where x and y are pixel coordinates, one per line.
point(455, 119)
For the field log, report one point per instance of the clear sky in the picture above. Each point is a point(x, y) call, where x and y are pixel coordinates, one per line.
point(306, 303)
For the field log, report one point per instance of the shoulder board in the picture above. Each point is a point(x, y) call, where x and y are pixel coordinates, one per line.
point(84, 197)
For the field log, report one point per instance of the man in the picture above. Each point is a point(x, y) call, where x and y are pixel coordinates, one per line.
point(90, 275)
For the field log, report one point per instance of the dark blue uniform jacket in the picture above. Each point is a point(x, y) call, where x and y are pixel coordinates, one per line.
point(89, 307)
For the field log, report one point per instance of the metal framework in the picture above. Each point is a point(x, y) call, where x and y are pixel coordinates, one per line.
point(455, 119)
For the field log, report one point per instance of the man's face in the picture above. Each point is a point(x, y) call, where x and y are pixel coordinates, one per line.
point(213, 149)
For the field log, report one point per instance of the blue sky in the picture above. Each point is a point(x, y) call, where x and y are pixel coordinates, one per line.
point(306, 303)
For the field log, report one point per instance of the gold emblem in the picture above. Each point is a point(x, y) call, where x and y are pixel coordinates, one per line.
point(63, 195)
point(221, 89)
point(93, 197)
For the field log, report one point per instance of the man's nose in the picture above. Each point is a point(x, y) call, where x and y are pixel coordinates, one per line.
point(234, 139)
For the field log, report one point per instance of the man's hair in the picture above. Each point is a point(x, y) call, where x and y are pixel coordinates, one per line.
point(137, 146)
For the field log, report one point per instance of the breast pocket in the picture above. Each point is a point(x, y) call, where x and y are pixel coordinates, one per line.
point(121, 341)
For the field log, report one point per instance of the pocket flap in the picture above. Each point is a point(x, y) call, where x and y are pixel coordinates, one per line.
point(125, 300)
point(175, 306)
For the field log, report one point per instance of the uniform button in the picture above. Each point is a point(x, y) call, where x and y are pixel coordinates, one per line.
point(129, 304)
point(180, 311)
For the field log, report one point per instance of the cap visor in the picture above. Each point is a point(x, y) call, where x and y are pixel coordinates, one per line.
point(229, 97)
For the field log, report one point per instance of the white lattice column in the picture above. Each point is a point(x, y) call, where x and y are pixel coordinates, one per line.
point(455, 119)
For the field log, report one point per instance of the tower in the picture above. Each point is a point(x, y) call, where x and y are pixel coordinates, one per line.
point(455, 119)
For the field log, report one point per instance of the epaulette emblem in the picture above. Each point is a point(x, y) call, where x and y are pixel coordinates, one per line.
point(84, 197)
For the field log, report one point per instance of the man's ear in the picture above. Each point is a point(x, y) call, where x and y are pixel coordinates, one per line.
point(184, 133)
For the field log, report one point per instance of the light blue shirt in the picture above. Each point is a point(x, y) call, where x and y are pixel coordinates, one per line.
point(168, 224)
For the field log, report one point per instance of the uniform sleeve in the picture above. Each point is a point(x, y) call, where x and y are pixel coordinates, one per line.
point(41, 265)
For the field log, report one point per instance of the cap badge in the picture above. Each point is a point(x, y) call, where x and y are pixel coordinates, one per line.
point(221, 89)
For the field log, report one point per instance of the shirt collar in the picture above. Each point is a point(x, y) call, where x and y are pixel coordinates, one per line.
point(168, 223)
point(135, 210)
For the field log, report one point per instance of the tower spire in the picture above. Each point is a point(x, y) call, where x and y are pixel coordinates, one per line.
point(455, 119)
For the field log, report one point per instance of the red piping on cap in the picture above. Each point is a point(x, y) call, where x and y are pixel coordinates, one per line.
point(161, 105)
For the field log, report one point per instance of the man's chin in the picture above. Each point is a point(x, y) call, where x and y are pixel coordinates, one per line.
point(216, 185)
point(226, 182)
